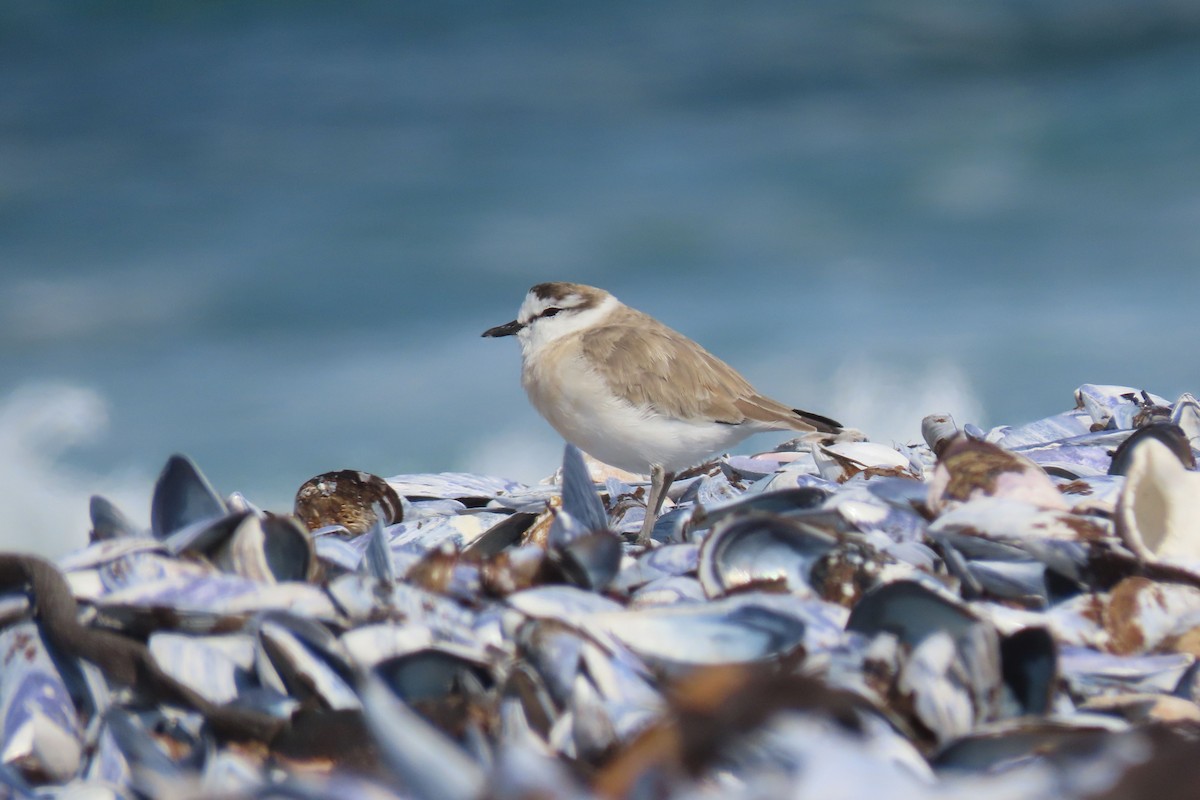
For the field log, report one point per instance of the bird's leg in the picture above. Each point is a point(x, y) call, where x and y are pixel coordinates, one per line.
point(660, 480)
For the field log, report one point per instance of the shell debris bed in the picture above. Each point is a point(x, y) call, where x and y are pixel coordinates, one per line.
point(1011, 613)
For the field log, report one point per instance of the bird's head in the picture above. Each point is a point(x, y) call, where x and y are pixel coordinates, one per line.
point(553, 310)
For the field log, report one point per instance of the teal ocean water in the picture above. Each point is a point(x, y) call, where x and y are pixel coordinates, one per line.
point(268, 235)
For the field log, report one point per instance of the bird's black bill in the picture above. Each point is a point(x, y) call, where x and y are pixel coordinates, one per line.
point(508, 329)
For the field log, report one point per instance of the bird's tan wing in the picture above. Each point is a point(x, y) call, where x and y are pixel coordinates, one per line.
point(650, 365)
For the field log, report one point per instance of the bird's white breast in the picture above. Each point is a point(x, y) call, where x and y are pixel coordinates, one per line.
point(575, 399)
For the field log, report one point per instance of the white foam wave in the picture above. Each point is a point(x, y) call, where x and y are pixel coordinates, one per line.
point(525, 454)
point(888, 402)
point(46, 501)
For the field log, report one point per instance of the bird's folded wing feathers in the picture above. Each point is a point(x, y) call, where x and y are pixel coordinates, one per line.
point(653, 367)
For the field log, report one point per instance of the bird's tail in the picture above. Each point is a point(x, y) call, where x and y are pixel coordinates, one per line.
point(823, 424)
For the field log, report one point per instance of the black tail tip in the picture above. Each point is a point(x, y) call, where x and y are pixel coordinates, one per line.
point(823, 424)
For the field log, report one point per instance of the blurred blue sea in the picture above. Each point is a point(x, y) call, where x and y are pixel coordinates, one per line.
point(269, 235)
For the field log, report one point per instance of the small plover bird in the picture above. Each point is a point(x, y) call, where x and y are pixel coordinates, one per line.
point(633, 393)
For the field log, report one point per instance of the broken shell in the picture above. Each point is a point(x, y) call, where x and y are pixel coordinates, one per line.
point(108, 522)
point(1142, 615)
point(842, 461)
point(214, 666)
point(208, 601)
point(422, 758)
point(949, 679)
point(731, 630)
point(269, 549)
point(458, 531)
point(1018, 522)
point(1029, 662)
point(298, 656)
point(970, 469)
point(1086, 456)
point(792, 500)
point(937, 430)
point(1108, 406)
point(474, 490)
point(590, 560)
point(348, 498)
point(1008, 744)
point(668, 591)
point(842, 575)
point(1092, 673)
point(580, 499)
point(377, 556)
point(1119, 407)
point(930, 680)
point(911, 612)
point(885, 505)
point(1043, 431)
point(1158, 514)
point(41, 736)
point(759, 550)
point(182, 497)
point(445, 572)
point(1168, 433)
point(579, 540)
point(508, 532)
point(1186, 415)
point(1145, 708)
point(512, 570)
point(446, 685)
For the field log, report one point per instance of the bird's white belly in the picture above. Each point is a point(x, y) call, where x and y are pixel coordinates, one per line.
point(581, 407)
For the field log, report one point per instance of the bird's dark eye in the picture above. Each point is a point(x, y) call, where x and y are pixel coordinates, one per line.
point(550, 312)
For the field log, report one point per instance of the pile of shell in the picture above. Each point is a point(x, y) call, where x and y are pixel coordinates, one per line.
point(1014, 614)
